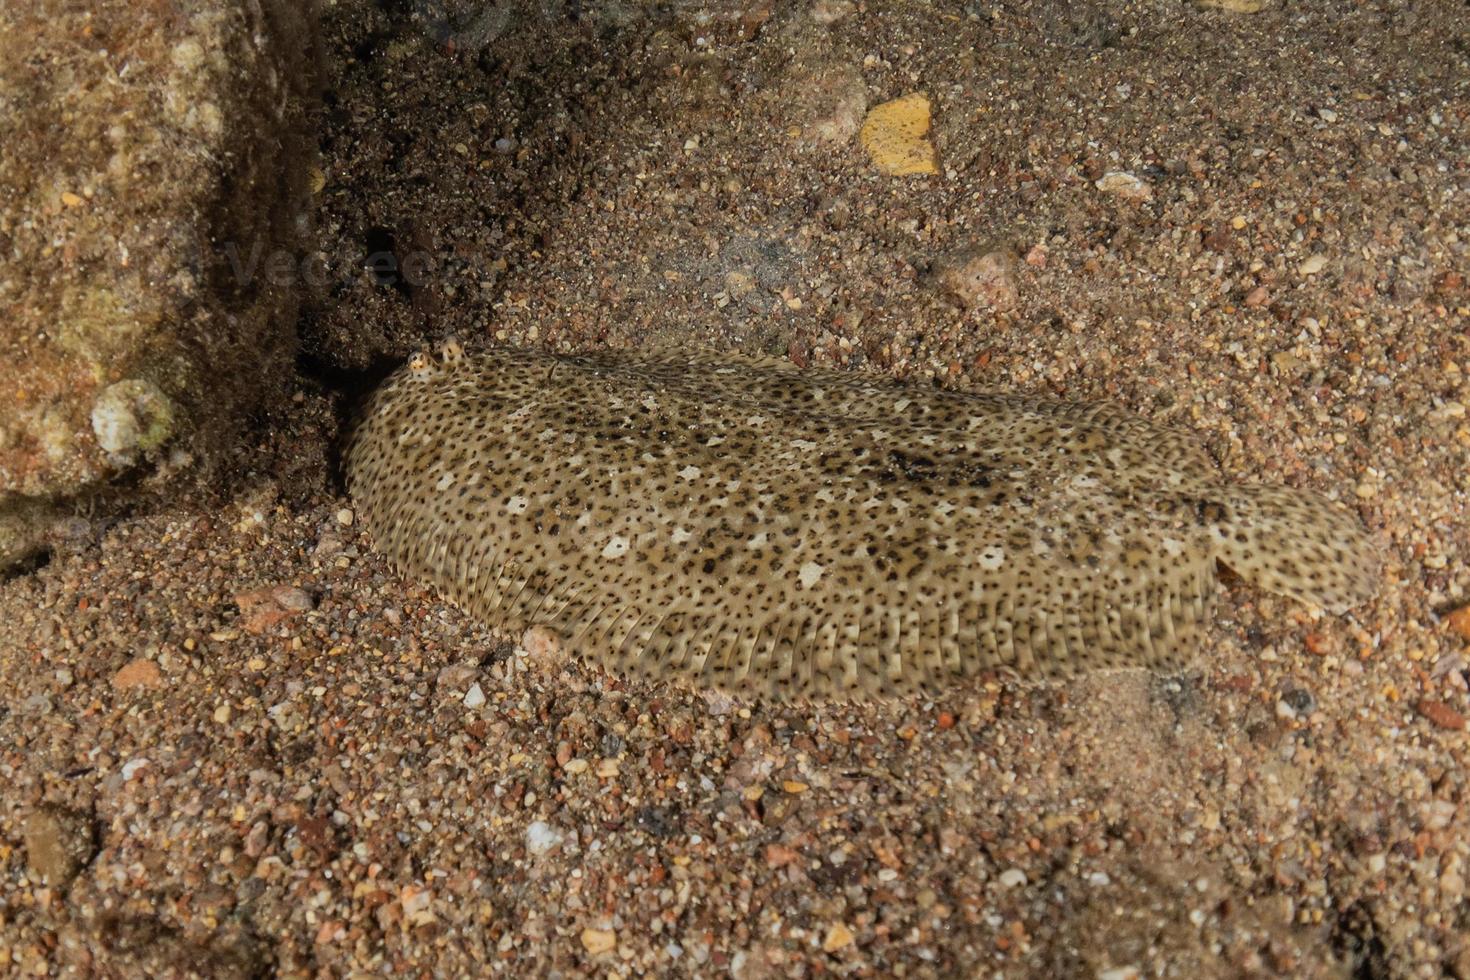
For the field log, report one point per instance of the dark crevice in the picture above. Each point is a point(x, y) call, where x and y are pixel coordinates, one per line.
point(351, 390)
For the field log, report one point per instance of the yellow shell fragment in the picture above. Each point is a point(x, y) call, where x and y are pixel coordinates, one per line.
point(896, 136)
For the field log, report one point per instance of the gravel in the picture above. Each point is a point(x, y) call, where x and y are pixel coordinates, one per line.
point(318, 795)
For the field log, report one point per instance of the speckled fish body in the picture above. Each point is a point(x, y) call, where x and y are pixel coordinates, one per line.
point(754, 527)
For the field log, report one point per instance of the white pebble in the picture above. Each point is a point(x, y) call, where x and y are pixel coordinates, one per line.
point(474, 697)
point(541, 837)
point(1013, 878)
point(345, 517)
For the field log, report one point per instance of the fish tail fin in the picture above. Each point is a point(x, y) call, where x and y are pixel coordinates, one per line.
point(1297, 543)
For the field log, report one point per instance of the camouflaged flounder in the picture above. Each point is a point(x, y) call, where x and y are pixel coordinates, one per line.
point(753, 527)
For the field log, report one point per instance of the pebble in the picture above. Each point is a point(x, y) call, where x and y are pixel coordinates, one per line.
point(474, 697)
point(1440, 715)
point(541, 837)
point(1013, 878)
point(829, 12)
point(597, 941)
point(1459, 622)
point(137, 673)
point(896, 136)
point(838, 937)
point(981, 279)
point(265, 608)
point(828, 102)
point(1313, 265)
point(345, 517)
point(58, 843)
point(1126, 186)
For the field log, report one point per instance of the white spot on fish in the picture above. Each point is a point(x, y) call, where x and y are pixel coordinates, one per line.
point(680, 535)
point(616, 548)
point(1172, 546)
point(445, 482)
point(689, 472)
point(809, 573)
point(992, 557)
point(517, 504)
point(902, 405)
point(759, 541)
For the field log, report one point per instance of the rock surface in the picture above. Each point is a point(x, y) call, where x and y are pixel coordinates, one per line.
point(147, 154)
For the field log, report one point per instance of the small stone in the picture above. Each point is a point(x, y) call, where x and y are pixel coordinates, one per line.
point(597, 941)
point(1036, 257)
point(543, 645)
point(474, 697)
point(575, 767)
point(1318, 643)
point(265, 608)
point(793, 787)
point(541, 837)
point(896, 136)
point(607, 768)
point(826, 103)
point(1257, 297)
point(1013, 878)
point(1459, 622)
point(1440, 715)
point(838, 937)
point(345, 517)
point(455, 678)
point(829, 12)
point(1126, 186)
point(1313, 265)
point(137, 673)
point(59, 842)
point(1237, 6)
point(981, 280)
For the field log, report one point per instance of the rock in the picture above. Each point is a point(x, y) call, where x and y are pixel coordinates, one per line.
point(541, 837)
point(130, 337)
point(983, 280)
point(1257, 297)
point(838, 937)
point(826, 102)
point(896, 136)
point(1125, 186)
point(597, 941)
point(59, 843)
point(1013, 878)
point(454, 680)
point(1440, 715)
point(1459, 622)
point(543, 646)
point(1313, 265)
point(829, 12)
point(137, 673)
point(265, 608)
point(474, 697)
point(1237, 6)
